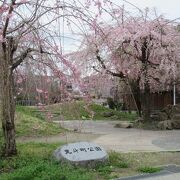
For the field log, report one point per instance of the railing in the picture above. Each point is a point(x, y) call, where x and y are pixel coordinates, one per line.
point(26, 103)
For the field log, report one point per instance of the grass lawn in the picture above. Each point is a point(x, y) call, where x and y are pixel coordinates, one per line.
point(29, 122)
point(34, 161)
point(80, 110)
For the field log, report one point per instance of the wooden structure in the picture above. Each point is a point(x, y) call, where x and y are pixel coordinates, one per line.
point(158, 100)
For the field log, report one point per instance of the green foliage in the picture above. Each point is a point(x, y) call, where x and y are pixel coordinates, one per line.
point(148, 169)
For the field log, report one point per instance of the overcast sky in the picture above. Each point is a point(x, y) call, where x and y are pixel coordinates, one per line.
point(169, 8)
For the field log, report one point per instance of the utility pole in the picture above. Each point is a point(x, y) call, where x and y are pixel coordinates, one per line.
point(174, 94)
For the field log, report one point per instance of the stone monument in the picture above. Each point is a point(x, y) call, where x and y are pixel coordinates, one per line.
point(81, 153)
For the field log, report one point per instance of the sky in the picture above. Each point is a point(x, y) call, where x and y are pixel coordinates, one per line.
point(168, 8)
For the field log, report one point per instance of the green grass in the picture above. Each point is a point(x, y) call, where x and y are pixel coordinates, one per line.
point(30, 122)
point(80, 110)
point(30, 111)
point(148, 169)
point(118, 160)
point(34, 161)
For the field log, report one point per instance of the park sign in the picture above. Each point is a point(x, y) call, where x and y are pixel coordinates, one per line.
point(81, 153)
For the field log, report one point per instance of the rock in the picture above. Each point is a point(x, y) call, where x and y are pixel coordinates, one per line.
point(81, 153)
point(165, 125)
point(138, 123)
point(108, 114)
point(162, 116)
point(172, 110)
point(114, 117)
point(155, 117)
point(124, 125)
point(168, 110)
point(139, 120)
point(175, 124)
point(176, 117)
point(176, 109)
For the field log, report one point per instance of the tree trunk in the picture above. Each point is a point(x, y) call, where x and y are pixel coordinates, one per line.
point(138, 101)
point(146, 102)
point(8, 103)
point(137, 95)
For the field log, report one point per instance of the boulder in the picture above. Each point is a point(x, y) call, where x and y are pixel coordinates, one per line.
point(115, 117)
point(176, 109)
point(172, 110)
point(165, 125)
point(82, 153)
point(162, 116)
point(176, 117)
point(139, 120)
point(168, 110)
point(175, 124)
point(155, 117)
point(169, 117)
point(124, 125)
point(108, 114)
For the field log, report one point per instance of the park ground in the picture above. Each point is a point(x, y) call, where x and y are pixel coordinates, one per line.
point(38, 137)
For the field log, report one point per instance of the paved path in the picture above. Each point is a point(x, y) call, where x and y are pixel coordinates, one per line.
point(174, 176)
point(125, 140)
point(117, 139)
point(161, 176)
point(169, 172)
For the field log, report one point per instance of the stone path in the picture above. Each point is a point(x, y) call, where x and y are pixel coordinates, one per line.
point(117, 139)
point(170, 172)
point(127, 140)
